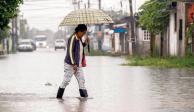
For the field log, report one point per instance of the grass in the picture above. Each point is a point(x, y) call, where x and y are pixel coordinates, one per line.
point(171, 62)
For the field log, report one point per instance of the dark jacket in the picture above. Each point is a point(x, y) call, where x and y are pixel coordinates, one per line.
point(73, 51)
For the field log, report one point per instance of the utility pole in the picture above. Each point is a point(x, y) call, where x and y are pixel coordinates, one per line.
point(100, 29)
point(135, 6)
point(14, 34)
point(132, 36)
point(78, 4)
point(99, 4)
point(74, 2)
point(121, 3)
point(85, 6)
point(88, 3)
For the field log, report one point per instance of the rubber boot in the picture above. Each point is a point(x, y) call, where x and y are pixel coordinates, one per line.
point(83, 93)
point(60, 93)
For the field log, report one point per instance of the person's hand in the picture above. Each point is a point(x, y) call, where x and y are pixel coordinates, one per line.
point(75, 68)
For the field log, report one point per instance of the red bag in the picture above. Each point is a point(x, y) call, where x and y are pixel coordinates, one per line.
point(84, 61)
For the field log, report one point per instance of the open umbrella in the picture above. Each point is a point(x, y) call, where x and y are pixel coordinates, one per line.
point(86, 16)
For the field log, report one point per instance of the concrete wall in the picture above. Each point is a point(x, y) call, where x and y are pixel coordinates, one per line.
point(173, 36)
point(117, 43)
point(142, 46)
point(181, 15)
point(165, 41)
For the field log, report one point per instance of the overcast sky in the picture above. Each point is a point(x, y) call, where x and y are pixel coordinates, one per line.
point(47, 14)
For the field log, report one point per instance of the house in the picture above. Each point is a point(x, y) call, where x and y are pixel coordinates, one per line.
point(122, 36)
point(173, 41)
point(125, 44)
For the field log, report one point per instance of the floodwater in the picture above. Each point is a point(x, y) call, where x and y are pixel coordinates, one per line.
point(29, 82)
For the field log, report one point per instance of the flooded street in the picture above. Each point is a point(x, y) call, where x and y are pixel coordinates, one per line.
point(29, 82)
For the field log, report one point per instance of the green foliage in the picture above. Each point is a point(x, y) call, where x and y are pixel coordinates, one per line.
point(154, 15)
point(190, 31)
point(4, 33)
point(8, 10)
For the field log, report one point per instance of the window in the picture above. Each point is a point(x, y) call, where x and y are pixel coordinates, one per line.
point(180, 29)
point(146, 35)
point(175, 20)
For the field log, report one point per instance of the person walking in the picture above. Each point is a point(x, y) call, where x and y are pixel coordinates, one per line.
point(75, 61)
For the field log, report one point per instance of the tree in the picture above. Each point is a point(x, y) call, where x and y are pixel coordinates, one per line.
point(4, 33)
point(154, 16)
point(8, 10)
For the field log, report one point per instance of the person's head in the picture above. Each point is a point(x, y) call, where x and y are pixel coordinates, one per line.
point(81, 30)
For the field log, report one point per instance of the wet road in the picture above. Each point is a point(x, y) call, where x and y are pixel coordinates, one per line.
point(29, 82)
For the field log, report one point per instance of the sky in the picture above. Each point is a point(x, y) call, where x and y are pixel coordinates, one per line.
point(47, 14)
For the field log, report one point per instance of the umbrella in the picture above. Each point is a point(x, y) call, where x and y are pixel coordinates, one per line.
point(86, 16)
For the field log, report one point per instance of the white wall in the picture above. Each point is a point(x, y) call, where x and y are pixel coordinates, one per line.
point(140, 34)
point(117, 43)
point(107, 42)
point(172, 36)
